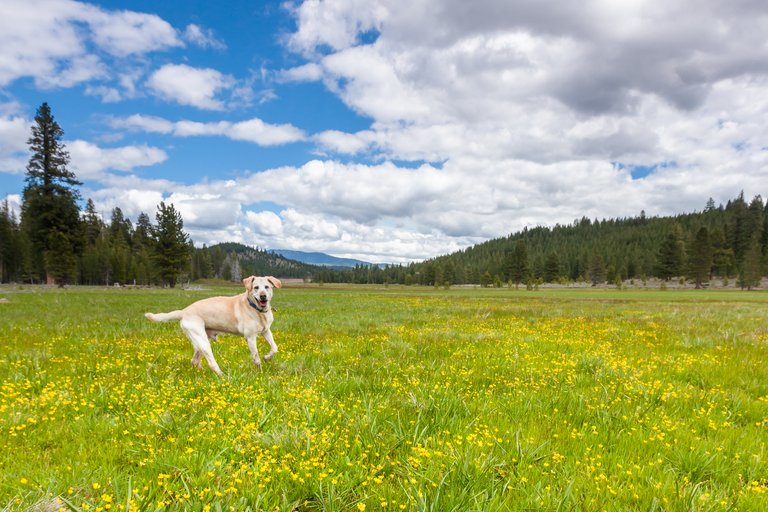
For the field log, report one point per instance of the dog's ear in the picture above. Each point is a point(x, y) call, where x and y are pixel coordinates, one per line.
point(248, 282)
point(275, 282)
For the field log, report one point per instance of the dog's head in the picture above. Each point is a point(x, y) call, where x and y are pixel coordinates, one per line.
point(260, 289)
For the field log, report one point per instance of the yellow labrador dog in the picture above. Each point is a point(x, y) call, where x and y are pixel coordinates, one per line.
point(248, 314)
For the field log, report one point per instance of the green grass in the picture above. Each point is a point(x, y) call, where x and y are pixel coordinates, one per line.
point(399, 398)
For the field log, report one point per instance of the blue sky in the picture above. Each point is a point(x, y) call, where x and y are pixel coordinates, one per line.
point(387, 130)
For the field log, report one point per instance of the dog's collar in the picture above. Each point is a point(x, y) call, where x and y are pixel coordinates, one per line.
point(256, 307)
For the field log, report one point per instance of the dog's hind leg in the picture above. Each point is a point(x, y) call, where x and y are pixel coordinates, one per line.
point(196, 359)
point(194, 328)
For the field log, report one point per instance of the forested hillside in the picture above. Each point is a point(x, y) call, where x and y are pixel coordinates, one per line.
point(727, 241)
point(233, 261)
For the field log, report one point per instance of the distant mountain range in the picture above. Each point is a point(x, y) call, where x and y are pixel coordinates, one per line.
point(320, 258)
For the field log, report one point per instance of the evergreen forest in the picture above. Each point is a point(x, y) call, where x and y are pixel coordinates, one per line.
point(53, 241)
point(725, 242)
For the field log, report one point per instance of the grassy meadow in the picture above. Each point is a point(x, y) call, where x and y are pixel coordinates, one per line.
point(399, 398)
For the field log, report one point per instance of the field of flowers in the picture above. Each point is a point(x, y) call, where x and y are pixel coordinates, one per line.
point(396, 398)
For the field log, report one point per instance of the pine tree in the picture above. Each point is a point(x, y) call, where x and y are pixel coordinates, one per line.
point(60, 260)
point(10, 244)
point(91, 271)
point(751, 271)
point(551, 268)
point(671, 257)
point(171, 248)
point(597, 270)
point(516, 266)
point(120, 228)
point(93, 226)
point(119, 241)
point(142, 234)
point(49, 214)
point(141, 243)
point(700, 258)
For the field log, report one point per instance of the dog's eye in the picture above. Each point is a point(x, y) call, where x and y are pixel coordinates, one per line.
point(267, 287)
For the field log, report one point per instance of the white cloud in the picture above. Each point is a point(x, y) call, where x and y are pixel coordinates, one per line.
point(151, 124)
point(202, 37)
point(46, 40)
point(14, 132)
point(131, 201)
point(334, 24)
point(387, 213)
point(205, 211)
point(126, 87)
point(309, 72)
point(35, 38)
point(89, 161)
point(107, 94)
point(185, 85)
point(123, 33)
point(345, 143)
point(265, 223)
point(252, 130)
point(259, 132)
point(518, 81)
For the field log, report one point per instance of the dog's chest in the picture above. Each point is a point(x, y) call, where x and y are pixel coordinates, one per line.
point(257, 322)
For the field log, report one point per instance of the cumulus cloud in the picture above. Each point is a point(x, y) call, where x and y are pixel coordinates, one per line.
point(265, 223)
point(45, 40)
point(383, 212)
point(186, 85)
point(123, 33)
point(89, 161)
point(14, 132)
point(526, 81)
point(310, 72)
point(205, 211)
point(252, 130)
point(151, 124)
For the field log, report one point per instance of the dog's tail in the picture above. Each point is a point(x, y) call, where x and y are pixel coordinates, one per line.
point(164, 317)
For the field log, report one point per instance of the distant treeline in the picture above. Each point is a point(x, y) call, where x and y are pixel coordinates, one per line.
point(54, 242)
point(119, 251)
point(729, 242)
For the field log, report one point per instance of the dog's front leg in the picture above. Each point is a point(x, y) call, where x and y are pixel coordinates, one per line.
point(251, 340)
point(272, 345)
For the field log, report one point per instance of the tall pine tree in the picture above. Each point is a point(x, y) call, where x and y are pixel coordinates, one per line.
point(671, 258)
point(597, 270)
point(700, 258)
point(172, 248)
point(49, 213)
point(516, 265)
